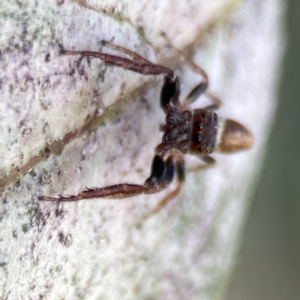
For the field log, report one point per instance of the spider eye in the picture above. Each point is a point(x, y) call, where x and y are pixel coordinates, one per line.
point(197, 138)
point(198, 126)
point(203, 116)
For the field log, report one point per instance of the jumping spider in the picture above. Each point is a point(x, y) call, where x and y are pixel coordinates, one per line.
point(198, 132)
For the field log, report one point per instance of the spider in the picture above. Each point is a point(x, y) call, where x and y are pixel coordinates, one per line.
point(198, 132)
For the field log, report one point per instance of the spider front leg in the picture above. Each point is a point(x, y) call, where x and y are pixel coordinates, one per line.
point(201, 87)
point(138, 64)
point(161, 176)
point(203, 84)
point(180, 172)
point(171, 88)
point(208, 162)
point(136, 57)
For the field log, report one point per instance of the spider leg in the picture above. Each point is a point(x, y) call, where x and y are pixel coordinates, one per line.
point(136, 57)
point(171, 87)
point(201, 87)
point(125, 63)
point(216, 102)
point(196, 92)
point(161, 176)
point(170, 93)
point(114, 191)
point(180, 171)
point(208, 162)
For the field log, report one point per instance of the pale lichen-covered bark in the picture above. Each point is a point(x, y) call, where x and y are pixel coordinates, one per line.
point(66, 126)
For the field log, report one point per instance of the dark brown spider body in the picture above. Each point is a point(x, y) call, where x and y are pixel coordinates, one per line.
point(193, 132)
point(177, 131)
point(198, 132)
point(203, 136)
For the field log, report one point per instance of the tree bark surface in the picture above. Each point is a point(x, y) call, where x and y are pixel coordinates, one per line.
point(67, 125)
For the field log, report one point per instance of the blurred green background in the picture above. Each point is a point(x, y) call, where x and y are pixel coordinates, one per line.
point(269, 260)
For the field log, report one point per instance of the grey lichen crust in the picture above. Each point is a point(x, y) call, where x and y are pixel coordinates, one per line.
point(67, 125)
